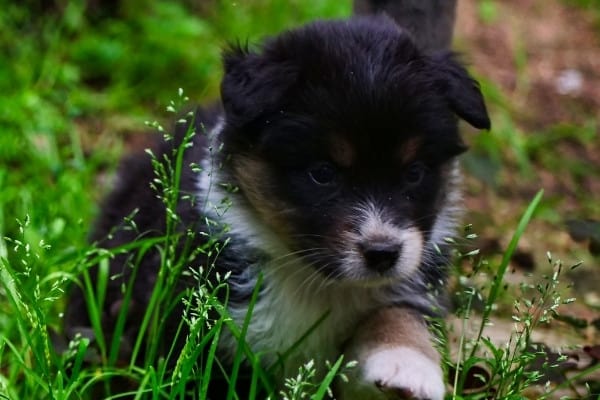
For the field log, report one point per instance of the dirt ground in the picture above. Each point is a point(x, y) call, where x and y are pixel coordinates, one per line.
point(545, 58)
point(556, 83)
point(556, 41)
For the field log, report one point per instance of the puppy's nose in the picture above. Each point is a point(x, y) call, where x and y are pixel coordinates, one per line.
point(380, 257)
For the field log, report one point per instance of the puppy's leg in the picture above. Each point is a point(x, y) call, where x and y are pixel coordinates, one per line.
point(431, 22)
point(396, 359)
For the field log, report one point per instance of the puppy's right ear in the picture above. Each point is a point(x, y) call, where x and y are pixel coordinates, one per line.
point(253, 83)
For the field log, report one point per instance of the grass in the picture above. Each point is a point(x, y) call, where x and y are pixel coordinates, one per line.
point(73, 97)
point(507, 370)
point(33, 366)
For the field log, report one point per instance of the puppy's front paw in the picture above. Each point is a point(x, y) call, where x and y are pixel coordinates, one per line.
point(402, 373)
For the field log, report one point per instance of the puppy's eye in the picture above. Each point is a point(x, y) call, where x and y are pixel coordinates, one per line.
point(414, 174)
point(323, 174)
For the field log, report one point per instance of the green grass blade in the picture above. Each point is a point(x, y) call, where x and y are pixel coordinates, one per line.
point(210, 359)
point(94, 313)
point(239, 355)
point(298, 342)
point(502, 268)
point(323, 389)
point(149, 314)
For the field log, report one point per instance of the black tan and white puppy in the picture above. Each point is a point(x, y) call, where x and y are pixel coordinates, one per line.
point(342, 139)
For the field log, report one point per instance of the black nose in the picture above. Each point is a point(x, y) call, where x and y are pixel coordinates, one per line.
point(380, 257)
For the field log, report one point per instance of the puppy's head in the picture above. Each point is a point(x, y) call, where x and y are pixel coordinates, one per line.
point(342, 137)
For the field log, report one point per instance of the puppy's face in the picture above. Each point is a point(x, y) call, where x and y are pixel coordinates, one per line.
point(342, 139)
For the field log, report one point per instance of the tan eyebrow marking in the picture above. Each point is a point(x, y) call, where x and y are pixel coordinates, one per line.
point(342, 151)
point(256, 182)
point(409, 150)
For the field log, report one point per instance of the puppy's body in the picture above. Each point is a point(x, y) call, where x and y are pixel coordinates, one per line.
point(341, 138)
point(294, 296)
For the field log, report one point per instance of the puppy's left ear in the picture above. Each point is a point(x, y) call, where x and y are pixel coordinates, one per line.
point(461, 91)
point(253, 83)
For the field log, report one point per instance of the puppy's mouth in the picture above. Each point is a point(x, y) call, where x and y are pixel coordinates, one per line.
point(378, 249)
point(361, 259)
point(368, 247)
point(383, 258)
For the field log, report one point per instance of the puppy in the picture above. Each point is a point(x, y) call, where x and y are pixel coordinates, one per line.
point(341, 141)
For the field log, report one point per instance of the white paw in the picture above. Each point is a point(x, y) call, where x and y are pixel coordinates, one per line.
point(402, 373)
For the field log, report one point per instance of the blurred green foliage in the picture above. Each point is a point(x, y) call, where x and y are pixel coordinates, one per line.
point(71, 71)
point(77, 79)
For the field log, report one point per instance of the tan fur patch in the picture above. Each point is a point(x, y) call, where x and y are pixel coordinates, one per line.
point(409, 150)
point(342, 151)
point(396, 359)
point(394, 327)
point(256, 183)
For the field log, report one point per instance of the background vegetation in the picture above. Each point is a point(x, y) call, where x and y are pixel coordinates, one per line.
point(79, 78)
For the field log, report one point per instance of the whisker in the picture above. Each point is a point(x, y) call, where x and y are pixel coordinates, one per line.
point(300, 256)
point(308, 282)
point(296, 253)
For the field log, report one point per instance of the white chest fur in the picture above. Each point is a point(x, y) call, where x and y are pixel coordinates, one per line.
point(298, 317)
